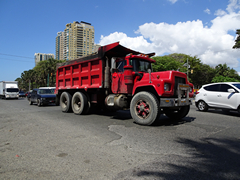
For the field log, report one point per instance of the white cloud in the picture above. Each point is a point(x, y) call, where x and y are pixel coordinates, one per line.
point(207, 11)
point(173, 1)
point(233, 6)
point(220, 12)
point(213, 45)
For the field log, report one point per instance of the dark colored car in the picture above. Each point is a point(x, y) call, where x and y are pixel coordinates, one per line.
point(42, 96)
point(22, 94)
point(28, 94)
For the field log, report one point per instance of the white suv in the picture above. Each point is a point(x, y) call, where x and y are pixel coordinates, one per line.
point(225, 95)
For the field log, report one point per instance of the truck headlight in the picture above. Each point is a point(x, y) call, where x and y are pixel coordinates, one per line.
point(166, 87)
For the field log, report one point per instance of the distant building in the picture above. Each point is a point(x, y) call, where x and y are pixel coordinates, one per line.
point(59, 45)
point(42, 57)
point(77, 40)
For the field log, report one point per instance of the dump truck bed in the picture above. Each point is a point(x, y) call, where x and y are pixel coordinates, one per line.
point(81, 75)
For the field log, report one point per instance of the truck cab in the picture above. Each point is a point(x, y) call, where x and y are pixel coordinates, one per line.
point(9, 89)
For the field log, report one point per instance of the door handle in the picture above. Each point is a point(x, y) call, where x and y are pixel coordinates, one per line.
point(219, 95)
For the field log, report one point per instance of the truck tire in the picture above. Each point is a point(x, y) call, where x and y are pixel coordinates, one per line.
point(144, 108)
point(177, 114)
point(80, 103)
point(65, 102)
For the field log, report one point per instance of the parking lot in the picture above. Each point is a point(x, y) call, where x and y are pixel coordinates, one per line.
point(44, 143)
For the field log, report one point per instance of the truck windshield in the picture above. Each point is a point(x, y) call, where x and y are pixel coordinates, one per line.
point(140, 65)
point(12, 89)
point(46, 91)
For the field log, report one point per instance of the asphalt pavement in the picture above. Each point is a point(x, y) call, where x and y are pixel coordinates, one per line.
point(44, 143)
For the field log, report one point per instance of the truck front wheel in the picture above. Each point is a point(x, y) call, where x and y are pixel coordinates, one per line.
point(144, 108)
point(65, 102)
point(178, 113)
point(80, 103)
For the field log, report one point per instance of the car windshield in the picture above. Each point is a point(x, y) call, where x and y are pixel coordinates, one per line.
point(12, 89)
point(46, 91)
point(237, 85)
point(140, 65)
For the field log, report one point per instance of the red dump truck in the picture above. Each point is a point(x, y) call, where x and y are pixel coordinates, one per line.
point(118, 78)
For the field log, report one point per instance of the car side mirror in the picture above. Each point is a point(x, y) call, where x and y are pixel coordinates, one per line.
point(231, 90)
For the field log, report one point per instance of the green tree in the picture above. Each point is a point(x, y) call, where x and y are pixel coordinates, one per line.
point(38, 76)
point(223, 79)
point(223, 73)
point(45, 69)
point(20, 84)
point(237, 41)
point(165, 63)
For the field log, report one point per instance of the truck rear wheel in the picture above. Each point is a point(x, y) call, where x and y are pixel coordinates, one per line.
point(144, 108)
point(177, 114)
point(80, 103)
point(65, 102)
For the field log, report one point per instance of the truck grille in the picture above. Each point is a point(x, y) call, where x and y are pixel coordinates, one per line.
point(177, 81)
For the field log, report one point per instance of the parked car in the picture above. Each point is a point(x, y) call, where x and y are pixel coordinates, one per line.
point(22, 94)
point(42, 96)
point(28, 94)
point(225, 95)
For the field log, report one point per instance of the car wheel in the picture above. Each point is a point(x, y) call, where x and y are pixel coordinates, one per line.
point(144, 108)
point(38, 102)
point(57, 103)
point(65, 102)
point(202, 106)
point(29, 101)
point(177, 114)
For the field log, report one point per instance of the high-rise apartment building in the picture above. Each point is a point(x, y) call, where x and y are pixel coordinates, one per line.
point(59, 46)
point(42, 57)
point(78, 40)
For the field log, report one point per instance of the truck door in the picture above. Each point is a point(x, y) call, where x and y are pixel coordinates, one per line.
point(118, 84)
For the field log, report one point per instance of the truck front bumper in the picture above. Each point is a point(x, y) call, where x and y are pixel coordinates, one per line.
point(182, 90)
point(173, 102)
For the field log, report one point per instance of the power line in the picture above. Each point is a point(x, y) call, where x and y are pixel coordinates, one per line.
point(16, 56)
point(16, 60)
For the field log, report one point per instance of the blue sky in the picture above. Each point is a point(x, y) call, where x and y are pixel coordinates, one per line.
point(203, 28)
